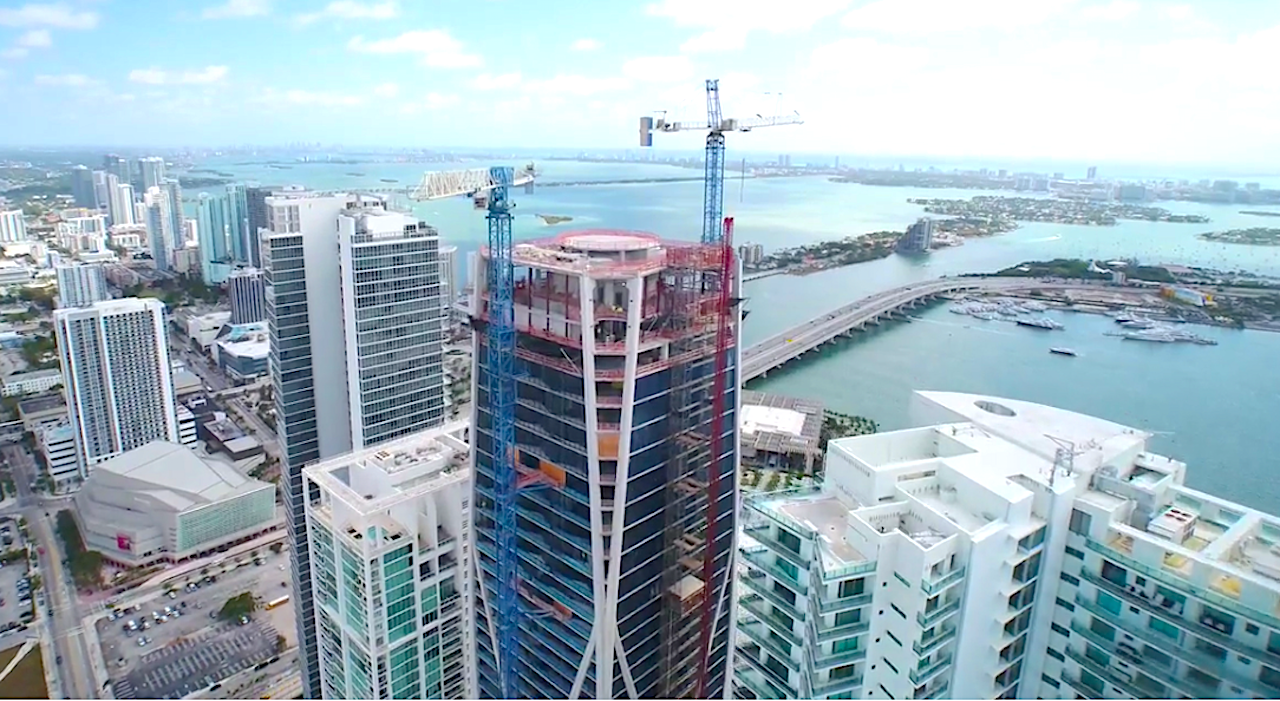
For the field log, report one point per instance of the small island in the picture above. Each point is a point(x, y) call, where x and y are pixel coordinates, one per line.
point(197, 183)
point(825, 255)
point(1259, 213)
point(1056, 211)
point(1256, 236)
point(553, 219)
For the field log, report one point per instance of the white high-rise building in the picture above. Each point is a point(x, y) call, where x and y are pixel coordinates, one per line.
point(115, 368)
point(390, 534)
point(152, 169)
point(81, 284)
point(101, 196)
point(83, 233)
point(13, 226)
point(1006, 550)
point(352, 292)
point(392, 323)
point(160, 233)
point(449, 287)
point(248, 292)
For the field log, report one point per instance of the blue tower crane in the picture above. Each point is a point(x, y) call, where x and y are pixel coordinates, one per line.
point(489, 188)
point(716, 126)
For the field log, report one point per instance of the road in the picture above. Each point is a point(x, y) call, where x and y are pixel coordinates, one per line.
point(265, 435)
point(63, 624)
point(782, 348)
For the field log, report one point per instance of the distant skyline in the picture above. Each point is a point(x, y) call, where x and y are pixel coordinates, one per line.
point(1129, 81)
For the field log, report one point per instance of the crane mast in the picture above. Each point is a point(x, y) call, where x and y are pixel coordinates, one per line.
point(717, 241)
point(489, 188)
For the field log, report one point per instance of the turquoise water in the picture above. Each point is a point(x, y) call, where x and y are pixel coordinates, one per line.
point(1215, 404)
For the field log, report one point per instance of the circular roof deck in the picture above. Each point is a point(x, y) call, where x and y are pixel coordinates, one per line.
point(607, 240)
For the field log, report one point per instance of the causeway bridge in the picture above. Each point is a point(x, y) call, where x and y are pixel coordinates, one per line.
point(780, 349)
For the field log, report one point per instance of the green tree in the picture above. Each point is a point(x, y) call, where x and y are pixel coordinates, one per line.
point(237, 606)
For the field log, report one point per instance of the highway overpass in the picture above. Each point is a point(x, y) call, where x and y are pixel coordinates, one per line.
point(782, 348)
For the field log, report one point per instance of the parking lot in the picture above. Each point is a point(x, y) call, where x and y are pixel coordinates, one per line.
point(15, 597)
point(138, 658)
point(195, 662)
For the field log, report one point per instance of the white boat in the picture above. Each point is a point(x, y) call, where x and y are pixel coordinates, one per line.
point(1063, 351)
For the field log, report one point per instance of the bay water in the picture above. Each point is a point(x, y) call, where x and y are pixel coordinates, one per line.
point(1214, 407)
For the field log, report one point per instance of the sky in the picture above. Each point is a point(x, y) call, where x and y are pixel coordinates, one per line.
point(1136, 81)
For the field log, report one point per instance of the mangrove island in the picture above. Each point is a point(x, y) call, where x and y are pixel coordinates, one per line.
point(1256, 236)
point(1056, 211)
point(553, 219)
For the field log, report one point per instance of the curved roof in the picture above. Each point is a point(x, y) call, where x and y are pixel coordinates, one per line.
point(171, 476)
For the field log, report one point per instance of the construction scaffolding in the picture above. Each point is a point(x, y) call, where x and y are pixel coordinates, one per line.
point(698, 296)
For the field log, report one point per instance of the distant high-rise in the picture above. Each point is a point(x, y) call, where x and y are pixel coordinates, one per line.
point(1092, 173)
point(159, 222)
point(256, 215)
point(151, 172)
point(119, 201)
point(177, 219)
point(449, 286)
point(117, 166)
point(13, 226)
point(115, 367)
point(919, 237)
point(352, 293)
point(398, 597)
point(82, 187)
point(212, 229)
point(101, 196)
point(80, 285)
point(237, 224)
point(247, 288)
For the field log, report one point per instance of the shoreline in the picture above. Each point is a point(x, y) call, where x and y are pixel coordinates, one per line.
point(1102, 309)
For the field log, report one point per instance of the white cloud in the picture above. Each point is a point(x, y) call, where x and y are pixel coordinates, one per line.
point(1114, 11)
point(57, 15)
point(437, 48)
point(727, 23)
point(15, 52)
point(155, 76)
point(915, 17)
point(36, 39)
point(237, 8)
point(68, 80)
point(585, 45)
point(574, 85)
point(489, 81)
point(658, 69)
point(386, 90)
point(349, 9)
point(430, 101)
point(320, 99)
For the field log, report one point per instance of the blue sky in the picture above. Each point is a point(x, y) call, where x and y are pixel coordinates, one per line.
point(1110, 80)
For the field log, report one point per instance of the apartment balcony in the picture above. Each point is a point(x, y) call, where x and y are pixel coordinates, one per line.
point(1187, 653)
point(760, 586)
point(937, 586)
point(837, 686)
point(1186, 686)
point(939, 691)
point(760, 534)
point(929, 619)
point(779, 624)
point(926, 646)
point(772, 677)
point(929, 670)
point(836, 659)
point(1174, 581)
point(759, 633)
point(824, 634)
point(757, 684)
point(1126, 687)
point(756, 558)
point(829, 606)
point(852, 569)
point(1270, 658)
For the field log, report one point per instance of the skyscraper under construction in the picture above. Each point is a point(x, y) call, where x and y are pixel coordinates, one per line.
point(625, 446)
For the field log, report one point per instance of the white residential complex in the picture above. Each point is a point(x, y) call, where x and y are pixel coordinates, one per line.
point(80, 284)
point(1011, 550)
point(13, 226)
point(352, 292)
point(389, 529)
point(115, 368)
